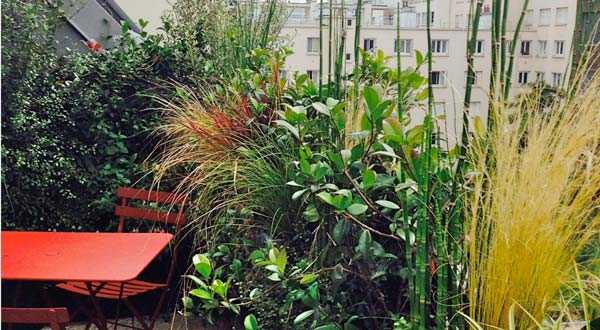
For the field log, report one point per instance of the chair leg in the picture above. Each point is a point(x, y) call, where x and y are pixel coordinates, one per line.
point(100, 315)
point(159, 306)
point(119, 305)
point(136, 313)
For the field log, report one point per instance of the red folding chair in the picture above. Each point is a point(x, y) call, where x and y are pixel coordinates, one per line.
point(57, 317)
point(122, 291)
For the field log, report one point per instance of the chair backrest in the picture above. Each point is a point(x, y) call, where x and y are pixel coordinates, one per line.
point(57, 317)
point(169, 200)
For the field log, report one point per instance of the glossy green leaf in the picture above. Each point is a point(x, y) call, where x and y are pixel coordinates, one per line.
point(202, 265)
point(303, 316)
point(250, 322)
point(202, 294)
point(388, 204)
point(357, 209)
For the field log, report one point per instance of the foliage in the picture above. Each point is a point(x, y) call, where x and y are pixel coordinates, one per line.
point(77, 126)
point(535, 196)
point(314, 205)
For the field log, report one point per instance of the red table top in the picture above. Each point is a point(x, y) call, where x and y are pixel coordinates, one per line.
point(58, 256)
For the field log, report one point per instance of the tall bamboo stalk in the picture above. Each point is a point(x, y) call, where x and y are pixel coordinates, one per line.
point(340, 54)
point(505, 8)
point(267, 27)
point(358, 15)
point(508, 76)
point(408, 253)
point(330, 58)
point(470, 80)
point(422, 237)
point(321, 48)
point(495, 91)
point(441, 242)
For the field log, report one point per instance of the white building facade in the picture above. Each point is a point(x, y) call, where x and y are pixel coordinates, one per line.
point(543, 50)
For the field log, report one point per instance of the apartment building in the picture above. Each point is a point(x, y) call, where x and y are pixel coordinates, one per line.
point(543, 49)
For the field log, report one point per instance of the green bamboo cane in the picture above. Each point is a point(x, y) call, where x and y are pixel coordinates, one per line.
point(357, 15)
point(404, 196)
point(508, 76)
point(495, 71)
point(421, 279)
point(321, 49)
point(470, 81)
point(267, 26)
point(441, 242)
point(505, 8)
point(340, 54)
point(398, 63)
point(330, 50)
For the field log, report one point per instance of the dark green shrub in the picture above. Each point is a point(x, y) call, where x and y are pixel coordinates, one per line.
point(77, 126)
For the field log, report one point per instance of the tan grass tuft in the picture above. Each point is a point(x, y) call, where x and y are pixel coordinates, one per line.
point(533, 207)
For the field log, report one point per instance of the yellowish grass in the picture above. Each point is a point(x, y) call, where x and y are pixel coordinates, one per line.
point(533, 207)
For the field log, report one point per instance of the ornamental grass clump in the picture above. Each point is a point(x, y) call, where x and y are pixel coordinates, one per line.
point(533, 207)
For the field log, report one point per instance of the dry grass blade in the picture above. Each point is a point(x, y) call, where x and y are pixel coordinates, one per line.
point(533, 206)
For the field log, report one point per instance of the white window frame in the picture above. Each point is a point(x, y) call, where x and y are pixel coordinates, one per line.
point(441, 78)
point(542, 51)
point(439, 47)
point(479, 47)
point(525, 48)
point(529, 17)
point(559, 48)
point(373, 46)
point(545, 20)
point(314, 41)
point(523, 77)
point(562, 20)
point(459, 21)
point(557, 78)
point(402, 46)
point(313, 75)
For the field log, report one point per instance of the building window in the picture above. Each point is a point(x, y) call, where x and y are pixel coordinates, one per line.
point(559, 47)
point(540, 76)
point(529, 17)
point(348, 56)
point(477, 78)
point(525, 47)
point(369, 45)
point(405, 46)
point(349, 22)
point(542, 46)
point(556, 79)
point(438, 78)
point(562, 15)
point(439, 47)
point(479, 47)
point(312, 45)
point(439, 108)
point(313, 74)
point(459, 21)
point(422, 19)
point(523, 77)
point(545, 16)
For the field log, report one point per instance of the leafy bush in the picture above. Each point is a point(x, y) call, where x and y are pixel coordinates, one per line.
point(308, 207)
point(77, 126)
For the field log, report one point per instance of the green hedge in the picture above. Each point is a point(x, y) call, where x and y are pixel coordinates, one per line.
point(74, 127)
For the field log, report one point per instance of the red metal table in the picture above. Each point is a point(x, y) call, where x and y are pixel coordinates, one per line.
point(87, 257)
